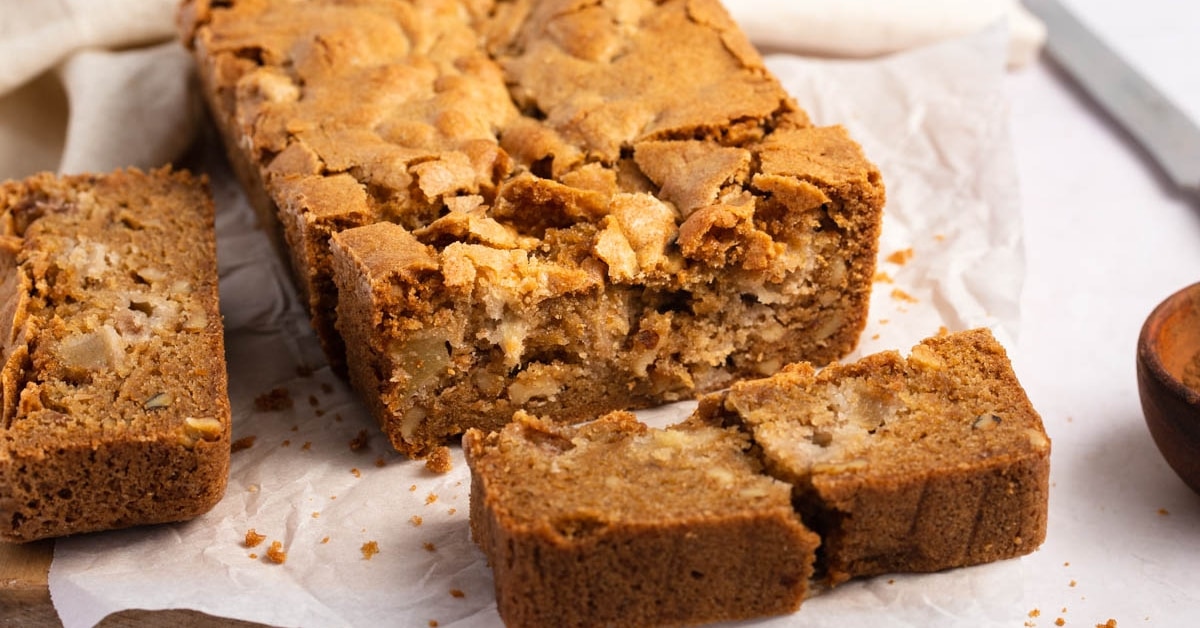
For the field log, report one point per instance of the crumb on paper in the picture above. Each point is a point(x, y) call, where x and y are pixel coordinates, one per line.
point(429, 547)
point(325, 541)
point(875, 337)
point(883, 321)
point(901, 295)
point(900, 257)
point(295, 428)
point(940, 237)
point(882, 277)
point(891, 581)
point(359, 443)
point(253, 556)
point(276, 554)
point(253, 538)
point(1035, 613)
point(1071, 584)
point(370, 549)
point(286, 443)
point(942, 330)
point(380, 462)
point(316, 514)
point(253, 488)
point(433, 623)
point(1163, 512)
point(451, 511)
point(1111, 623)
point(245, 442)
point(416, 520)
point(439, 461)
point(356, 472)
point(430, 498)
point(1067, 564)
point(1060, 622)
point(459, 594)
point(273, 400)
point(412, 489)
point(306, 446)
point(319, 412)
point(313, 401)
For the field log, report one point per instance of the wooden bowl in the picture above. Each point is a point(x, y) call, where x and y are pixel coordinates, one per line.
point(1168, 355)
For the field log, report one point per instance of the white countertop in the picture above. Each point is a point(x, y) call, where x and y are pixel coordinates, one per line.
point(1107, 239)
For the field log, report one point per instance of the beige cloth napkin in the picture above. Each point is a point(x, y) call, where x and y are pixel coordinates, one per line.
point(87, 85)
point(90, 85)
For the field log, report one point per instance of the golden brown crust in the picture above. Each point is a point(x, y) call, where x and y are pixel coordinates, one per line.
point(114, 389)
point(620, 205)
point(616, 524)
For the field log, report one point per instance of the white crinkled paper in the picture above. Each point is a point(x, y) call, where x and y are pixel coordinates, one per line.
point(935, 122)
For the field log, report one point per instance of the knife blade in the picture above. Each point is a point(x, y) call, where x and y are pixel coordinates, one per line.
point(1167, 133)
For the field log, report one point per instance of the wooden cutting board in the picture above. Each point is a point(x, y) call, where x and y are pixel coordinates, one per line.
point(25, 597)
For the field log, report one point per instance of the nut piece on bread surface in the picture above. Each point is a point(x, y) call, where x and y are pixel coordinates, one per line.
point(614, 523)
point(913, 464)
point(113, 385)
point(559, 207)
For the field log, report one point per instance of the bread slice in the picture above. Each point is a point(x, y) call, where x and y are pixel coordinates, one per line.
point(613, 523)
point(899, 465)
point(112, 384)
point(904, 465)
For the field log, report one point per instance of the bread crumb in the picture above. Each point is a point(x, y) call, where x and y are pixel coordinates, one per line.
point(429, 547)
point(306, 446)
point(457, 593)
point(324, 540)
point(369, 549)
point(1067, 564)
point(1071, 584)
point(319, 412)
point(430, 498)
point(295, 428)
point(901, 295)
point(439, 461)
point(276, 554)
point(380, 462)
point(359, 443)
point(286, 443)
point(433, 623)
point(1111, 623)
point(253, 556)
point(451, 511)
point(1163, 512)
point(316, 514)
point(1035, 613)
point(942, 331)
point(883, 321)
point(875, 337)
point(245, 442)
point(253, 538)
point(1060, 622)
point(891, 581)
point(412, 489)
point(253, 488)
point(356, 472)
point(900, 257)
point(882, 277)
point(313, 401)
point(416, 520)
point(274, 400)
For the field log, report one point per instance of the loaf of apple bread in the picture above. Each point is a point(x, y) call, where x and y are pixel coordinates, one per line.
point(548, 205)
point(112, 380)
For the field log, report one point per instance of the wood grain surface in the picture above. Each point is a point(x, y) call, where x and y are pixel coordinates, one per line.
point(25, 597)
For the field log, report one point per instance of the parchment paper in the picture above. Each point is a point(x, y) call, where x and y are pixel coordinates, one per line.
point(936, 123)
